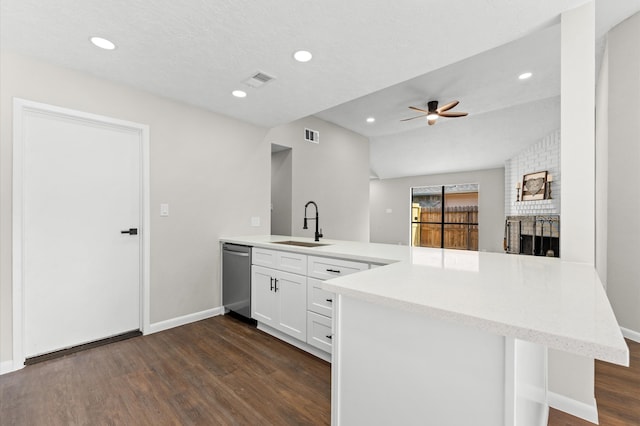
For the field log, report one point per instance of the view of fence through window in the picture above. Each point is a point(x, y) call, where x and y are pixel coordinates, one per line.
point(445, 216)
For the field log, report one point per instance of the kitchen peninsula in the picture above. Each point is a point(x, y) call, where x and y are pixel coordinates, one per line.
point(454, 337)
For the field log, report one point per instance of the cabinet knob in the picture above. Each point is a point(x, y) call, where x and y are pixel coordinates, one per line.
point(329, 336)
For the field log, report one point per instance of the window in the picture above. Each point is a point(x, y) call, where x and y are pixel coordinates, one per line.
point(445, 216)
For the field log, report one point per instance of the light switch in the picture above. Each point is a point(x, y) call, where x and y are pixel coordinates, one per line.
point(164, 209)
point(255, 221)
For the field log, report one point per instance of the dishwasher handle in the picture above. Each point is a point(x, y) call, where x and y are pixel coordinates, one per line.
point(236, 253)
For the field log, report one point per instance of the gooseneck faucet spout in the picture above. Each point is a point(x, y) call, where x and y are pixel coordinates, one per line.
point(318, 234)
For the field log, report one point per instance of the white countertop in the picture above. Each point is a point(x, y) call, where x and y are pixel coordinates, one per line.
point(561, 305)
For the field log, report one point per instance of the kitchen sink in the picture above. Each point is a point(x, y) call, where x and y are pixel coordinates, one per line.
point(300, 243)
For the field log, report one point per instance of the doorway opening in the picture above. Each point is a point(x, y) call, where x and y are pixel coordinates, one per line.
point(281, 189)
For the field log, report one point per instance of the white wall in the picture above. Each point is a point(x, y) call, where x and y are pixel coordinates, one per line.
point(602, 166)
point(193, 154)
point(572, 376)
point(394, 194)
point(333, 173)
point(623, 268)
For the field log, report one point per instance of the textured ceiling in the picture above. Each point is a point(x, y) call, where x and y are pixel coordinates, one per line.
point(198, 51)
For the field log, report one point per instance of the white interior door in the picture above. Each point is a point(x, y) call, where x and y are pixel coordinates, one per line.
point(81, 276)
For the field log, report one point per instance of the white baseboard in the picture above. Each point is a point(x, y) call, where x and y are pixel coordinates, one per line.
point(630, 334)
point(8, 367)
point(588, 412)
point(185, 319)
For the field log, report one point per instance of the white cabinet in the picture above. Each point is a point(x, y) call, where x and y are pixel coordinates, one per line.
point(319, 301)
point(287, 294)
point(278, 297)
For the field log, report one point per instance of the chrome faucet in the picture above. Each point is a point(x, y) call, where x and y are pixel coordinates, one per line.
point(318, 234)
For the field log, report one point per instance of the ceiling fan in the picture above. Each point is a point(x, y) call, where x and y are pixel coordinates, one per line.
point(433, 112)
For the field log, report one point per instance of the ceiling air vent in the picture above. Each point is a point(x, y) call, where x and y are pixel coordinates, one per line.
point(258, 79)
point(311, 135)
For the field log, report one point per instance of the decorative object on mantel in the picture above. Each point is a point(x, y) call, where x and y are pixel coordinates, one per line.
point(549, 180)
point(534, 186)
point(517, 191)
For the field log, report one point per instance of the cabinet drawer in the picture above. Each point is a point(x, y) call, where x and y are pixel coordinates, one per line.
point(292, 262)
point(319, 331)
point(264, 257)
point(324, 268)
point(281, 260)
point(318, 300)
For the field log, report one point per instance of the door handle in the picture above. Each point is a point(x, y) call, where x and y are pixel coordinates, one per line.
point(130, 231)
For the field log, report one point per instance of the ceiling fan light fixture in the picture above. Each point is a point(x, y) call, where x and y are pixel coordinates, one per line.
point(432, 116)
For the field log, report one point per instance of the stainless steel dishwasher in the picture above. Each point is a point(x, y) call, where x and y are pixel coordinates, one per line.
point(236, 280)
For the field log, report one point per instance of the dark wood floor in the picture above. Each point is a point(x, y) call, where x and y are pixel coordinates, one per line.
point(221, 372)
point(213, 372)
point(617, 394)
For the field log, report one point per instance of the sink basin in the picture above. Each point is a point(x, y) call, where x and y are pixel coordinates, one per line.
point(300, 243)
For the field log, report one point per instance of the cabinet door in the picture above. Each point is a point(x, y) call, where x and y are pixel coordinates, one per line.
point(292, 304)
point(264, 300)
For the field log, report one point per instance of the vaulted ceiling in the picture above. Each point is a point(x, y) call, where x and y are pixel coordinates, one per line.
point(369, 57)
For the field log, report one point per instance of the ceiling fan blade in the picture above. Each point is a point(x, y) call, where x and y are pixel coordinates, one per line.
point(453, 114)
point(447, 107)
point(419, 109)
point(412, 118)
point(431, 122)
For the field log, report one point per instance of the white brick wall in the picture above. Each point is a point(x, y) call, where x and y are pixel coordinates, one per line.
point(542, 155)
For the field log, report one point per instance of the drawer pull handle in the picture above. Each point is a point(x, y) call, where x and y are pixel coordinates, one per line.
point(330, 300)
point(328, 336)
point(276, 284)
point(271, 283)
point(337, 271)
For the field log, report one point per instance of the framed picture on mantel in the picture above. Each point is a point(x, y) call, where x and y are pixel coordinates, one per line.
point(534, 186)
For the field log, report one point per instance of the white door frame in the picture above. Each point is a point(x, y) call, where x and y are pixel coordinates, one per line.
point(20, 108)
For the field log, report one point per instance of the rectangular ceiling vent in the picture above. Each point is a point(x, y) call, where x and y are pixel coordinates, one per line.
point(312, 136)
point(258, 79)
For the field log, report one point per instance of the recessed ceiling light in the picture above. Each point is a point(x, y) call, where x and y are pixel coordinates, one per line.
point(371, 119)
point(302, 56)
point(525, 76)
point(239, 94)
point(102, 43)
